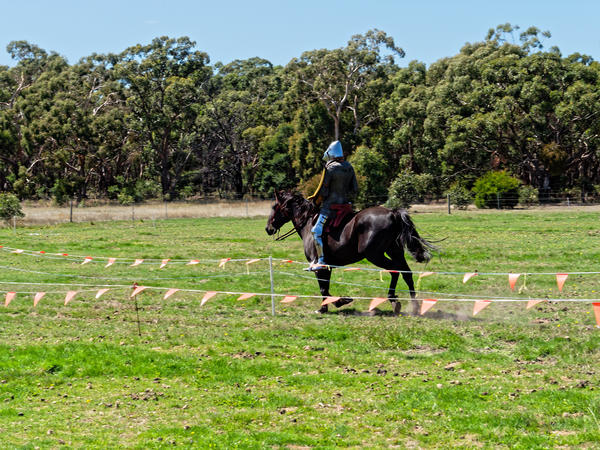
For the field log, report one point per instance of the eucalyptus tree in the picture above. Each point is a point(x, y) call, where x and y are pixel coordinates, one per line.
point(339, 78)
point(19, 109)
point(163, 81)
point(32, 83)
point(243, 107)
point(404, 113)
point(79, 129)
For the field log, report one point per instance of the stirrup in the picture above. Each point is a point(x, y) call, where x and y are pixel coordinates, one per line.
point(314, 267)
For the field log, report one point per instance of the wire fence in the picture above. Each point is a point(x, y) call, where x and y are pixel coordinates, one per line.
point(98, 210)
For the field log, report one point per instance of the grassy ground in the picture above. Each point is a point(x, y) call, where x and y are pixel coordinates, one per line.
point(228, 374)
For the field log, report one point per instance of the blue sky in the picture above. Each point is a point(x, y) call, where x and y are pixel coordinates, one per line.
point(281, 30)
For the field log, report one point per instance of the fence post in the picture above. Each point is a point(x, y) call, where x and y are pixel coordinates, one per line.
point(272, 285)
point(166, 210)
point(498, 199)
point(448, 198)
point(71, 212)
point(14, 224)
point(133, 212)
point(246, 206)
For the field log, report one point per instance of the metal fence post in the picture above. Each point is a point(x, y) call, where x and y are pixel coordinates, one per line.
point(448, 198)
point(272, 285)
point(71, 212)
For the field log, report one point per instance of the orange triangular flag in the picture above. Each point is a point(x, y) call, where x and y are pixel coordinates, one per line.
point(100, 292)
point(38, 297)
point(425, 274)
point(170, 292)
point(349, 269)
point(532, 303)
point(164, 263)
point(207, 297)
point(597, 313)
point(329, 300)
point(69, 296)
point(426, 305)
point(9, 297)
point(223, 262)
point(512, 280)
point(468, 276)
point(137, 290)
point(137, 262)
point(86, 260)
point(289, 298)
point(376, 302)
point(560, 280)
point(110, 262)
point(245, 296)
point(193, 262)
point(479, 305)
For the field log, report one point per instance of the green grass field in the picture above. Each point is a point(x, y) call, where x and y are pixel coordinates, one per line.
point(230, 375)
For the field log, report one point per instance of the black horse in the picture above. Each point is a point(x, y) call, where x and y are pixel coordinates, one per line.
point(371, 233)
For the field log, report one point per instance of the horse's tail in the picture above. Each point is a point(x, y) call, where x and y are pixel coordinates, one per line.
point(408, 237)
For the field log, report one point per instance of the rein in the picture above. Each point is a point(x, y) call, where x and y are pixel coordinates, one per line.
point(285, 235)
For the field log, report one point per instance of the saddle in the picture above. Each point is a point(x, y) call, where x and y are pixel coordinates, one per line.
point(342, 214)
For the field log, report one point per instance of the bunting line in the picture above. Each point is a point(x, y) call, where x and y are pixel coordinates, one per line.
point(223, 261)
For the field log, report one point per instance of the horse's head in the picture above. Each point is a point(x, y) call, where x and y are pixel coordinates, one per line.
point(281, 213)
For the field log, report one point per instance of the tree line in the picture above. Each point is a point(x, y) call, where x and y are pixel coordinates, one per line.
point(158, 120)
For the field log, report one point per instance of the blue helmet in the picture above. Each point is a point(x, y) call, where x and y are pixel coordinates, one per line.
point(333, 151)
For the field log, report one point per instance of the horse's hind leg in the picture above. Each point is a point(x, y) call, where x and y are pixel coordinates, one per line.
point(397, 255)
point(384, 262)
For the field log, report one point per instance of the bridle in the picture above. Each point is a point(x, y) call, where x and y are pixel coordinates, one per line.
point(287, 234)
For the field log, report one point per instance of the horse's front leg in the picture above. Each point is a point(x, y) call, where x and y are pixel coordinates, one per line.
point(323, 277)
point(392, 293)
point(408, 279)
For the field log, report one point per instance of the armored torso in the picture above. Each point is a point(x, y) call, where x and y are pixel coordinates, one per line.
point(339, 184)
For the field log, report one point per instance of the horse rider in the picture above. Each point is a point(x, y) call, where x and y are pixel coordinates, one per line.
point(338, 186)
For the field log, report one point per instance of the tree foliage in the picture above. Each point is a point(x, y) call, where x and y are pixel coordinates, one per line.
point(159, 119)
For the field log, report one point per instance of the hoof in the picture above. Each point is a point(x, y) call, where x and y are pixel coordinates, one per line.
point(343, 301)
point(397, 308)
point(321, 310)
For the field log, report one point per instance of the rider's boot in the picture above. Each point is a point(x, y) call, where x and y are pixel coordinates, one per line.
point(320, 264)
point(317, 231)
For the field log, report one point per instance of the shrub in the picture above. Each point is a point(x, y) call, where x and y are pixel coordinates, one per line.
point(460, 196)
point(409, 188)
point(125, 199)
point(61, 191)
point(145, 189)
point(496, 189)
point(528, 195)
point(10, 206)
